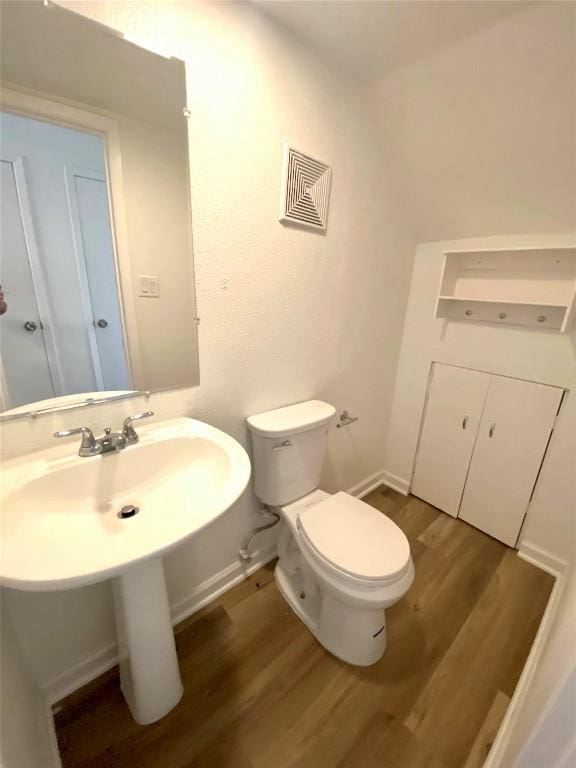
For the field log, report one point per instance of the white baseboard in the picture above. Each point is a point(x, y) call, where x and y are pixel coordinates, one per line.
point(47, 733)
point(396, 482)
point(107, 657)
point(542, 558)
point(364, 487)
point(80, 674)
point(221, 582)
point(522, 691)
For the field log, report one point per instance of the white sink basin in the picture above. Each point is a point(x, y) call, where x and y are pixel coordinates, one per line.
point(60, 525)
point(60, 530)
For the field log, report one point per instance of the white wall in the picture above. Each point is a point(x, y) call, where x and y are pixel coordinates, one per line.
point(551, 740)
point(286, 314)
point(536, 355)
point(25, 740)
point(481, 136)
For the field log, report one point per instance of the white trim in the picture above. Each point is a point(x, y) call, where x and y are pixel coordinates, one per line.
point(439, 289)
point(522, 690)
point(37, 105)
point(221, 582)
point(396, 482)
point(106, 657)
point(47, 730)
point(364, 487)
point(4, 394)
point(80, 674)
point(542, 559)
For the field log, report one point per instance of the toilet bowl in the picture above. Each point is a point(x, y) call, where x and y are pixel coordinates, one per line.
point(341, 562)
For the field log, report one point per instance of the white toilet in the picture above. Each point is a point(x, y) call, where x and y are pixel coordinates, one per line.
point(341, 562)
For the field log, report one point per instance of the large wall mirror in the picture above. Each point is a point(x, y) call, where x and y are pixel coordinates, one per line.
point(96, 270)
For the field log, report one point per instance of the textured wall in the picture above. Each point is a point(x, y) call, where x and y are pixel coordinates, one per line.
point(23, 719)
point(481, 137)
point(286, 314)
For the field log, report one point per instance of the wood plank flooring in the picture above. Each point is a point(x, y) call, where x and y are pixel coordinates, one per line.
point(260, 692)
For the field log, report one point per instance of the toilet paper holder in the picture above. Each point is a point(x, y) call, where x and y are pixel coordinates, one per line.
point(346, 419)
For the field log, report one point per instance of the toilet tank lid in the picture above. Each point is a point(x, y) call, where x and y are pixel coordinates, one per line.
point(291, 419)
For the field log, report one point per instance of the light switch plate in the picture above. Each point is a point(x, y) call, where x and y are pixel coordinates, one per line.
point(148, 286)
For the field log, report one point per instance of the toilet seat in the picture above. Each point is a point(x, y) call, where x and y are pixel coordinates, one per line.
point(354, 539)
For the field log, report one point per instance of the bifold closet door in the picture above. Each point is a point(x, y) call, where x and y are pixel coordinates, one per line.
point(512, 439)
point(455, 400)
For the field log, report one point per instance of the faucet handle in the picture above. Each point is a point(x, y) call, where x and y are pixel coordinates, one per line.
point(128, 430)
point(88, 441)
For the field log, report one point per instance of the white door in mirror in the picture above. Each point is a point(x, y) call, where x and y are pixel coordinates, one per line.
point(26, 366)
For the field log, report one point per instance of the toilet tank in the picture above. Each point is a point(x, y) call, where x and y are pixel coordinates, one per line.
point(288, 450)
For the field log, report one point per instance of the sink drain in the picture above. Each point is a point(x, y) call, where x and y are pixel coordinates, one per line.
point(128, 511)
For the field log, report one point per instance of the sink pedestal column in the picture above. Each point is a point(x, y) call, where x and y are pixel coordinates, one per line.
point(149, 674)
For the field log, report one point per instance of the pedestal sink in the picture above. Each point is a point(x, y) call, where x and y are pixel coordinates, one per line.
point(69, 521)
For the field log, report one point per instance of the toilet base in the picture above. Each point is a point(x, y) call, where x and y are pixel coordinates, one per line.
point(354, 635)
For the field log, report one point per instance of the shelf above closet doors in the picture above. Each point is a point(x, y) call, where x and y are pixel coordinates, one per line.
point(534, 287)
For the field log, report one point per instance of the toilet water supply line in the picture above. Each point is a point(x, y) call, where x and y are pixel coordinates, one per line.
point(243, 553)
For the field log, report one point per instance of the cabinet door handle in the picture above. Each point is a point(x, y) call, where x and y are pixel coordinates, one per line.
point(464, 422)
point(491, 430)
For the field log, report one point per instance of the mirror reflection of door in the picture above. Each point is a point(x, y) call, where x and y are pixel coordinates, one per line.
point(88, 199)
point(26, 370)
point(72, 295)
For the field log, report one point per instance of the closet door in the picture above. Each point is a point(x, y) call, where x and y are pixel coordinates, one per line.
point(455, 400)
point(512, 439)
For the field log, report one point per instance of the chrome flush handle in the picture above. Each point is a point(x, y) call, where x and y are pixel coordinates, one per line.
point(285, 444)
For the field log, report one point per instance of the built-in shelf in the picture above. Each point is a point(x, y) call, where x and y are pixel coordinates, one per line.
point(533, 287)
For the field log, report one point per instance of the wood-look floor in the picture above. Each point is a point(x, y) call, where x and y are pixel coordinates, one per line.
point(260, 692)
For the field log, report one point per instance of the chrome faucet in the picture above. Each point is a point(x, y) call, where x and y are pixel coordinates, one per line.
point(110, 441)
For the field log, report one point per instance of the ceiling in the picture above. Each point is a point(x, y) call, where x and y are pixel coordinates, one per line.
point(372, 38)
